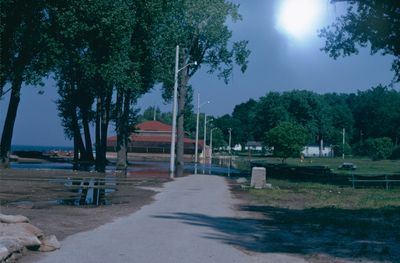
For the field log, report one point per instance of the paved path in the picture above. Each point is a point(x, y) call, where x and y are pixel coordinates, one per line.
point(188, 222)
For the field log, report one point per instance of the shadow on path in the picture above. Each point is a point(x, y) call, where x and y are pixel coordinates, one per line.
point(347, 234)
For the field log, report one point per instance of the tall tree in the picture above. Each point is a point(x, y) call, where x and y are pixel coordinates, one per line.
point(367, 23)
point(95, 39)
point(199, 28)
point(144, 42)
point(26, 56)
point(269, 112)
point(377, 113)
point(287, 139)
point(244, 113)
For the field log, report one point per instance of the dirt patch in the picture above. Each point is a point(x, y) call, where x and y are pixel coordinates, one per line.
point(38, 194)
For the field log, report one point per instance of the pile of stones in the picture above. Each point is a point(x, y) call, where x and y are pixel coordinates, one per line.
point(17, 235)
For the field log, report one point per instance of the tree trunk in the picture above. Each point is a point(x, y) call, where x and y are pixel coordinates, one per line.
point(88, 140)
point(98, 132)
point(6, 138)
point(79, 147)
point(180, 131)
point(102, 120)
point(123, 129)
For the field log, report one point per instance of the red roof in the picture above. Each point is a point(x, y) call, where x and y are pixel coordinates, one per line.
point(138, 138)
point(153, 126)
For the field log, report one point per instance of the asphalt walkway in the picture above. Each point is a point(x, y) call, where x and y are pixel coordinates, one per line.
point(190, 221)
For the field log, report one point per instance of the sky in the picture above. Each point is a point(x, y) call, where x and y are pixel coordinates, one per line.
point(285, 55)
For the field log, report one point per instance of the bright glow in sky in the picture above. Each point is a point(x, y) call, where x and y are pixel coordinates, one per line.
point(299, 19)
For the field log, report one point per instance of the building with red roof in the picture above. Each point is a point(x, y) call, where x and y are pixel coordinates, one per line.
point(152, 137)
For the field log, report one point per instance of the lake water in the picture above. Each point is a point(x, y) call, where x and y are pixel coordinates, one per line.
point(138, 167)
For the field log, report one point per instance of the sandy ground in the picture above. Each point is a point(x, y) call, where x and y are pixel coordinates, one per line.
point(37, 194)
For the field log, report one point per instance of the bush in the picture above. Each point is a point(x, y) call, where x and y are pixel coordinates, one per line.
point(396, 153)
point(287, 139)
point(379, 148)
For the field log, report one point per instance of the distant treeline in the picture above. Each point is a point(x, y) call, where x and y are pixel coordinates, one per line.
point(371, 120)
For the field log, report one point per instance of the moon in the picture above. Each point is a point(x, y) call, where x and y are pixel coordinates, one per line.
point(299, 18)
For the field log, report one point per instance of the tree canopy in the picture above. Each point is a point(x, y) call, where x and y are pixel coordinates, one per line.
point(373, 113)
point(367, 23)
point(287, 139)
point(199, 28)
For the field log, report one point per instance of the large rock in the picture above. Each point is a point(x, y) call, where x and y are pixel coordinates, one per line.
point(25, 234)
point(241, 180)
point(8, 247)
point(16, 237)
point(4, 252)
point(11, 219)
point(258, 178)
point(49, 243)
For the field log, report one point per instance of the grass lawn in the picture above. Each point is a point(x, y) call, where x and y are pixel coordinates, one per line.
point(321, 219)
point(302, 195)
point(364, 166)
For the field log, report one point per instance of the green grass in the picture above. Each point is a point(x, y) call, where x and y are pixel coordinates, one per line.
point(364, 166)
point(339, 222)
point(313, 195)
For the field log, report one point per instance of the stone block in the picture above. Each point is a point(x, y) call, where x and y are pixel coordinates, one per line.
point(258, 178)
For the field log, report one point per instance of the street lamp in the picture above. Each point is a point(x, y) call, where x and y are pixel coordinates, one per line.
point(211, 148)
point(344, 141)
point(174, 110)
point(211, 143)
point(230, 139)
point(205, 134)
point(197, 127)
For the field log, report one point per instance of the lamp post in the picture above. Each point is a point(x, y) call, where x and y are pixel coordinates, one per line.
point(205, 140)
point(230, 139)
point(211, 143)
point(211, 148)
point(174, 111)
point(196, 155)
point(230, 156)
point(205, 132)
point(344, 132)
point(205, 136)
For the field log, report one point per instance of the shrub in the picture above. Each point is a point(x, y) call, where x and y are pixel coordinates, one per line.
point(379, 148)
point(396, 153)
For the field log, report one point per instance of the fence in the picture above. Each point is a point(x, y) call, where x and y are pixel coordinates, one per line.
point(384, 179)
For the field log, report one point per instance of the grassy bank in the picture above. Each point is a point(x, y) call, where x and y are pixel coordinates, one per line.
point(315, 219)
point(302, 195)
point(364, 166)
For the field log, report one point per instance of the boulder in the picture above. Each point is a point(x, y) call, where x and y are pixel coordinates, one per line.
point(11, 219)
point(25, 234)
point(49, 243)
point(241, 180)
point(17, 235)
point(8, 247)
point(4, 252)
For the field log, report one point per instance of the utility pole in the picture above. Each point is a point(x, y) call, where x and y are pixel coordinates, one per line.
point(344, 132)
point(205, 137)
point(174, 110)
point(211, 143)
point(230, 139)
point(197, 131)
